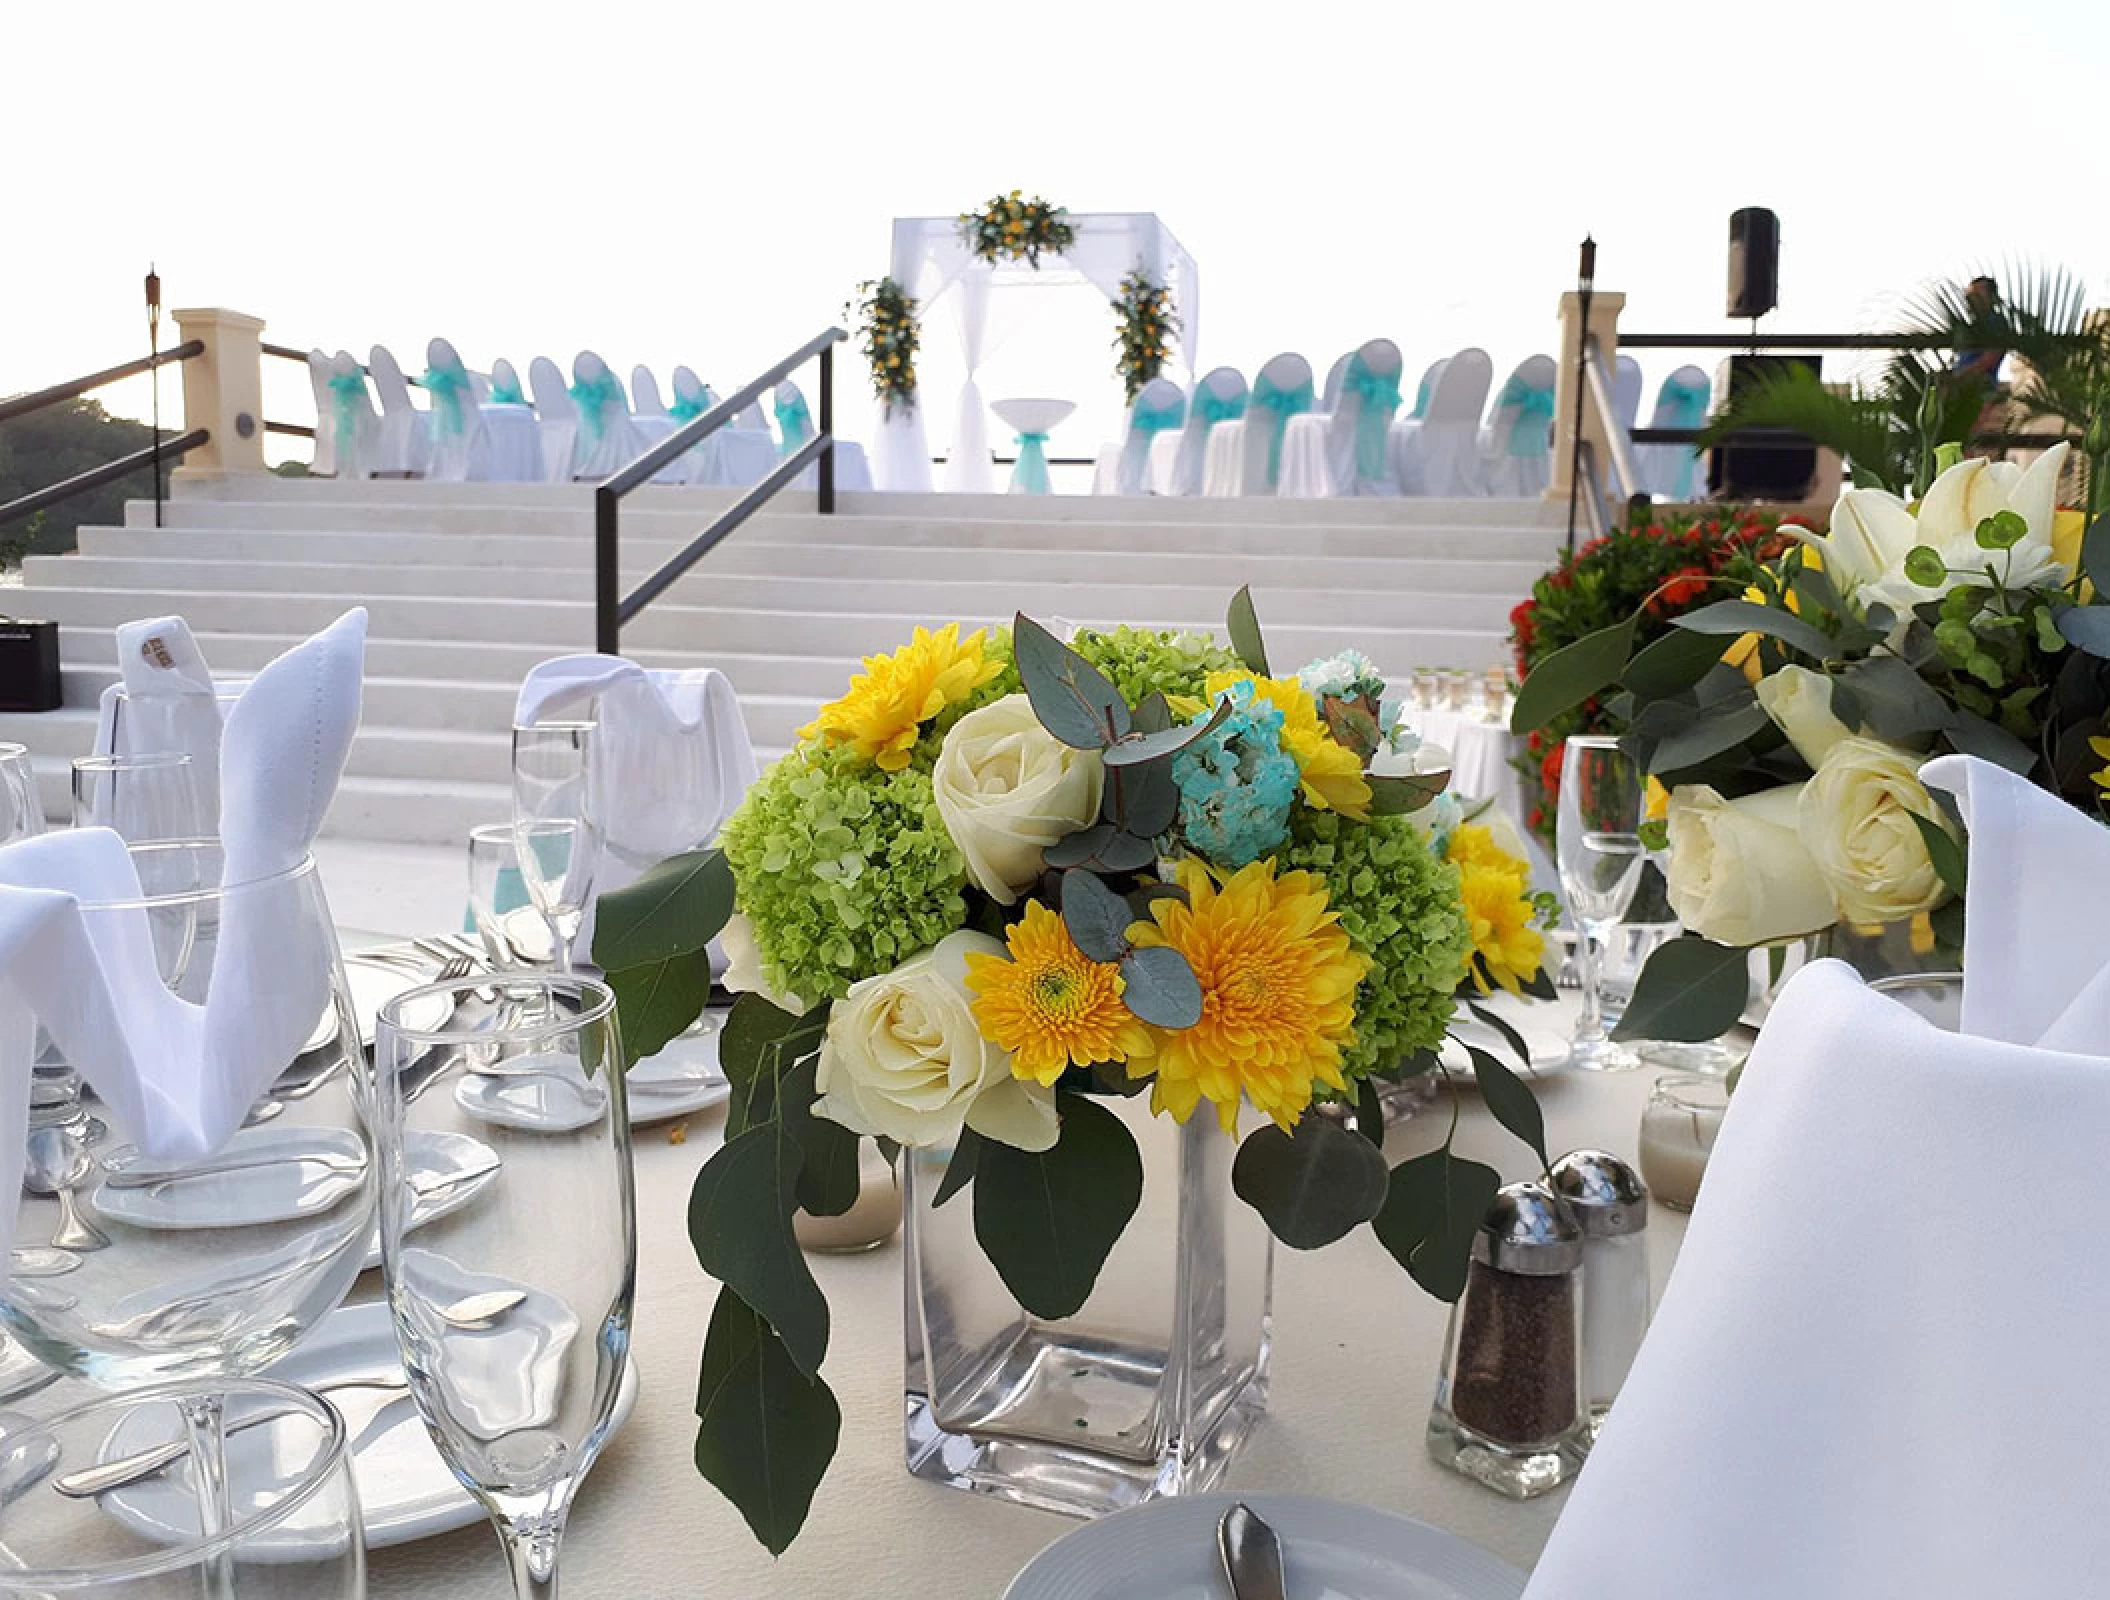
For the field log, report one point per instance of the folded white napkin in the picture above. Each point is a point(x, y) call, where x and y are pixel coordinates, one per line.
point(671, 756)
point(168, 699)
point(1878, 1367)
point(179, 1077)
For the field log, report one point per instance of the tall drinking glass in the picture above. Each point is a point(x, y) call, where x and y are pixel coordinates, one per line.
point(21, 809)
point(1598, 838)
point(513, 1317)
point(498, 895)
point(141, 798)
point(553, 830)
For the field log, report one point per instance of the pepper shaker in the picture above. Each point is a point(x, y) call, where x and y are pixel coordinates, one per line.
point(1508, 1409)
point(1610, 1203)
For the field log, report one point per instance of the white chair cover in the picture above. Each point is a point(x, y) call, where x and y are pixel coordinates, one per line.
point(404, 442)
point(508, 448)
point(1516, 451)
point(324, 464)
point(1427, 387)
point(479, 387)
point(1179, 461)
point(1439, 455)
point(1244, 457)
point(1159, 407)
point(1330, 395)
point(1626, 392)
point(1347, 450)
point(355, 427)
point(794, 418)
point(644, 393)
point(1672, 471)
point(455, 422)
point(608, 439)
point(505, 385)
point(558, 417)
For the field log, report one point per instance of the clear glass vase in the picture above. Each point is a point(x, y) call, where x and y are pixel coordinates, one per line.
point(1148, 1390)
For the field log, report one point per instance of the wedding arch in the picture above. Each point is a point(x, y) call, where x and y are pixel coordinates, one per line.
point(932, 260)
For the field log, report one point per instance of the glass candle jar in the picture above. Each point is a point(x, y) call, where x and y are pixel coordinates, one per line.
point(1678, 1128)
point(1508, 1409)
point(1937, 996)
point(1610, 1204)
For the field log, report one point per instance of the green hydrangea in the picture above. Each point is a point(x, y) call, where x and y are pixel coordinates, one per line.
point(1138, 660)
point(1399, 905)
point(844, 870)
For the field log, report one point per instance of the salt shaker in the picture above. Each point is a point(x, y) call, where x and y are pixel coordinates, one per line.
point(1610, 1203)
point(1508, 1409)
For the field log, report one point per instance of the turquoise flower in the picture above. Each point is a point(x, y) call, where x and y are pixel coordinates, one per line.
point(1237, 783)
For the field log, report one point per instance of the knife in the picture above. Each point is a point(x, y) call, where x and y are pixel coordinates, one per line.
point(1252, 1555)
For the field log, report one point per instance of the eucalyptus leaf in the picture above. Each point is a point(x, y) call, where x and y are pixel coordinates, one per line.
point(1571, 675)
point(1510, 1036)
point(959, 1171)
point(1135, 749)
point(680, 905)
point(1672, 664)
point(1312, 1185)
point(1736, 617)
point(1892, 700)
point(1075, 849)
point(1047, 1220)
point(1403, 794)
point(1153, 714)
point(740, 1228)
point(1708, 735)
point(1098, 919)
point(1352, 725)
point(1510, 1101)
point(1244, 628)
point(1161, 988)
point(1071, 697)
point(1370, 1112)
point(1433, 1206)
point(2095, 555)
point(657, 1000)
point(1150, 799)
point(1690, 990)
point(1123, 852)
point(1943, 851)
point(1975, 736)
point(2087, 627)
point(828, 1151)
point(766, 1431)
point(757, 1046)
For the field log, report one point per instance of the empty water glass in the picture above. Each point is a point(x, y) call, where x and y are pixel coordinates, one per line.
point(21, 809)
point(513, 1316)
point(141, 798)
point(498, 897)
point(554, 839)
point(1598, 838)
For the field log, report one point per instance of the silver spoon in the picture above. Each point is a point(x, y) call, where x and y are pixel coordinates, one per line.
point(58, 1163)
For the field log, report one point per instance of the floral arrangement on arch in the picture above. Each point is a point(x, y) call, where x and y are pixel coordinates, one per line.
point(1652, 570)
point(886, 320)
point(1144, 339)
point(1005, 880)
point(1012, 228)
point(1789, 721)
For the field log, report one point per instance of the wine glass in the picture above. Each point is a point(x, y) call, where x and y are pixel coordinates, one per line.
point(292, 1531)
point(21, 809)
point(513, 1318)
point(553, 832)
point(1598, 838)
point(141, 798)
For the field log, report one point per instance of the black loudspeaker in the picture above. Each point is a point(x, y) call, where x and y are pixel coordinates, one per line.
point(1782, 471)
point(29, 665)
point(1754, 262)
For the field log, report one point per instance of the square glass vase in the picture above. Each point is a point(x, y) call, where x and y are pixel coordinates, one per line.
point(1147, 1390)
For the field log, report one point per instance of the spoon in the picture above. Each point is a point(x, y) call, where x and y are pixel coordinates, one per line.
point(58, 1164)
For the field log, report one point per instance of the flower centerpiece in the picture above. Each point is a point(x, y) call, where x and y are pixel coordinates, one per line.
point(1012, 228)
point(886, 320)
point(1032, 914)
point(1790, 722)
point(1144, 339)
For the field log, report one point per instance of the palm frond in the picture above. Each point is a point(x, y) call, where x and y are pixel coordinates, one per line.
point(1866, 431)
point(2042, 318)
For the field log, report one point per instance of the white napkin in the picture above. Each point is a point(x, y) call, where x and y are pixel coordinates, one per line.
point(671, 756)
point(169, 702)
point(1877, 1369)
point(179, 1077)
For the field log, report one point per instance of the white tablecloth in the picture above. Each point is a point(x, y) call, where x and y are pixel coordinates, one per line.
point(733, 458)
point(509, 447)
point(1223, 468)
point(1305, 474)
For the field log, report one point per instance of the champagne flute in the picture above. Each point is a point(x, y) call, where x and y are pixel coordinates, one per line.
point(553, 831)
point(1598, 837)
point(513, 1317)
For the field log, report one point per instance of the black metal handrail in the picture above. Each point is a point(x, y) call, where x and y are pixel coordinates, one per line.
point(613, 608)
point(1783, 341)
point(96, 477)
point(23, 404)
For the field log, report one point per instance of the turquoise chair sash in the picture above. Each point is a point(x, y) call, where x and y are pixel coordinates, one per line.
point(1529, 435)
point(1280, 405)
point(1155, 420)
point(1373, 423)
point(689, 410)
point(1214, 408)
point(449, 388)
point(794, 424)
point(1030, 476)
point(507, 394)
point(595, 397)
point(1687, 402)
point(347, 400)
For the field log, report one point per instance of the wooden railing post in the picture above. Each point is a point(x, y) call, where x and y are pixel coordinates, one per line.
point(223, 392)
point(1605, 306)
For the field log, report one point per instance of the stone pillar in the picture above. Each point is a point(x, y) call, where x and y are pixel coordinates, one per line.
point(223, 391)
point(1605, 307)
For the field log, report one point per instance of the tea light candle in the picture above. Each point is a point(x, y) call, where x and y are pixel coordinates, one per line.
point(1678, 1128)
point(868, 1224)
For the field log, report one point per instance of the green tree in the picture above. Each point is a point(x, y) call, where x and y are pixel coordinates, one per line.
point(51, 445)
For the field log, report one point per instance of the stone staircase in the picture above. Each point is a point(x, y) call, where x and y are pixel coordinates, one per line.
point(469, 585)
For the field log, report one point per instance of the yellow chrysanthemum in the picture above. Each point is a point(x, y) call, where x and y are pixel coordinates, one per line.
point(895, 695)
point(1655, 800)
point(1330, 773)
point(2101, 746)
point(1495, 890)
point(1051, 1005)
point(1278, 980)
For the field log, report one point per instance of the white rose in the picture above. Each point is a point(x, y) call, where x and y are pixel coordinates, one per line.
point(743, 965)
point(903, 1059)
point(1739, 872)
point(1855, 819)
point(1800, 703)
point(1007, 789)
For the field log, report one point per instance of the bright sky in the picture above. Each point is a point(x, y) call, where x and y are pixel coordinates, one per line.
point(705, 181)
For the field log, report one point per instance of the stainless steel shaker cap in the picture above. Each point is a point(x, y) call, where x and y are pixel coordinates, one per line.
point(1529, 1230)
point(1606, 1195)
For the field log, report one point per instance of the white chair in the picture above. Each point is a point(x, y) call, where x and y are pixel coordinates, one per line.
point(644, 393)
point(355, 425)
point(1672, 471)
point(652, 419)
point(1438, 456)
point(1159, 406)
point(505, 385)
point(455, 422)
point(1179, 461)
point(1427, 387)
point(1347, 450)
point(795, 427)
point(750, 418)
point(557, 417)
point(692, 398)
point(1330, 396)
point(794, 417)
point(404, 443)
point(508, 444)
point(608, 439)
point(479, 387)
point(324, 464)
point(1626, 393)
point(1516, 451)
point(1244, 457)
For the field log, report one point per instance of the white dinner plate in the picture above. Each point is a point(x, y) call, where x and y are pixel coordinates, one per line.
point(1550, 1054)
point(406, 1491)
point(447, 1171)
point(264, 1174)
point(1330, 1551)
point(682, 1079)
point(373, 984)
